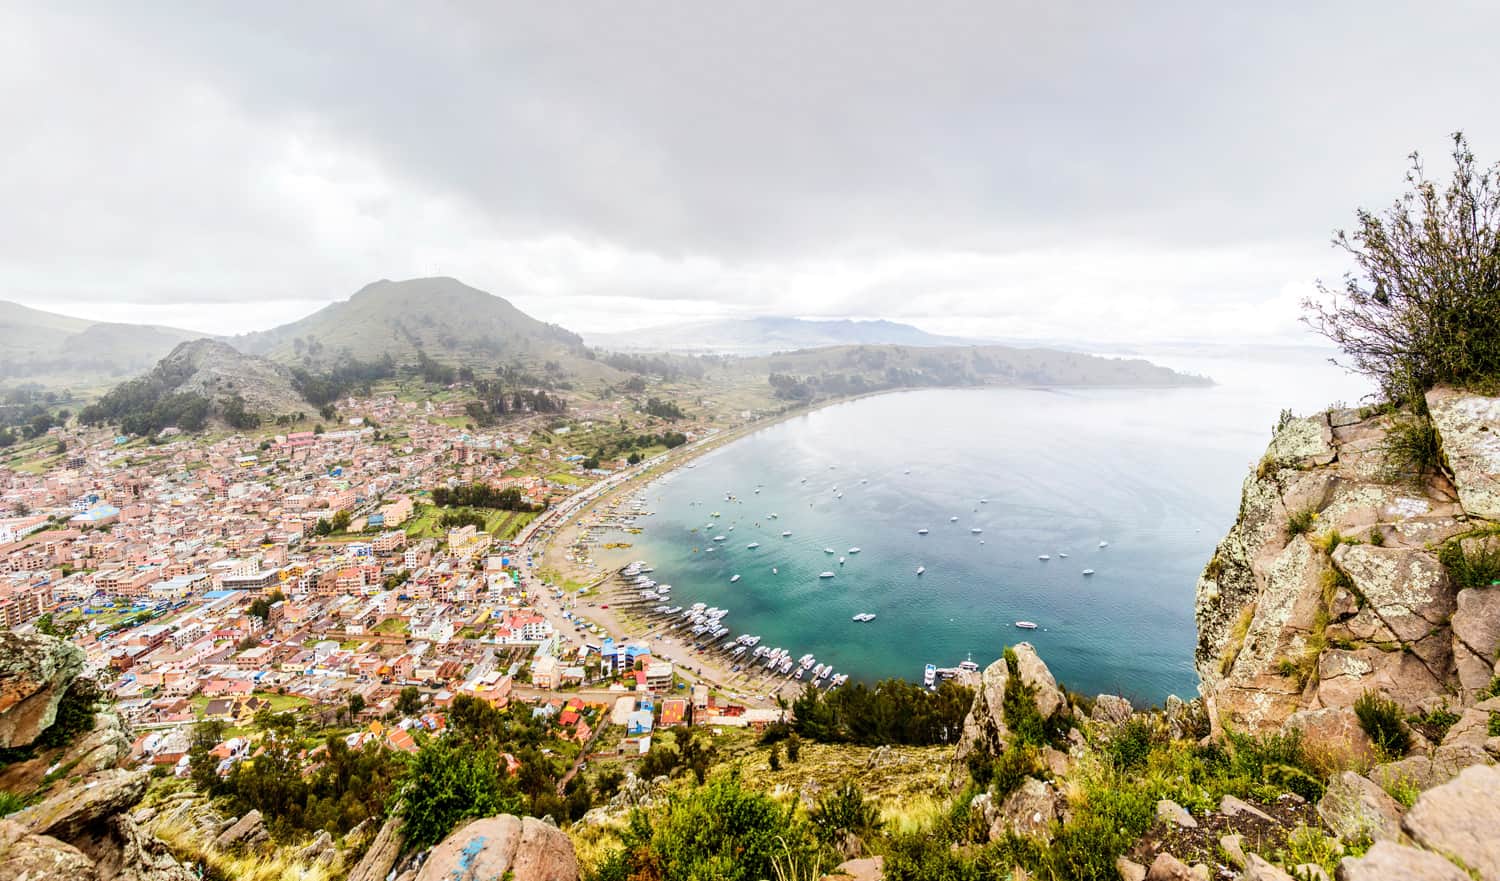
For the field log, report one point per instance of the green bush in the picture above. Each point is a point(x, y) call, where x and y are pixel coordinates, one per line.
point(1130, 746)
point(842, 812)
point(1413, 448)
point(1494, 725)
point(1472, 569)
point(448, 783)
point(1381, 720)
point(1300, 522)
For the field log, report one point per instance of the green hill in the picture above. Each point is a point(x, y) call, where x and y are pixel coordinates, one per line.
point(55, 350)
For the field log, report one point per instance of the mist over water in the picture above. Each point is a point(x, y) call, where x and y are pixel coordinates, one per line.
point(1156, 473)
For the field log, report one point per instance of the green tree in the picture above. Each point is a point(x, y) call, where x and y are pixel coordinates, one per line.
point(448, 783)
point(409, 701)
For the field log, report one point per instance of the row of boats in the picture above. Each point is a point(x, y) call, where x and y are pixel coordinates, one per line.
point(704, 624)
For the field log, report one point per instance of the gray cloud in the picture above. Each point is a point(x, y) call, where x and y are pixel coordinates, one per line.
point(1171, 170)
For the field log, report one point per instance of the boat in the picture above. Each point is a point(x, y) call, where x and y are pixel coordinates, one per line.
point(921, 532)
point(733, 579)
point(775, 571)
point(720, 537)
point(1062, 556)
point(825, 574)
point(786, 533)
point(1026, 625)
point(862, 617)
point(1088, 572)
point(854, 550)
point(929, 675)
point(984, 501)
point(772, 516)
point(752, 545)
point(976, 530)
point(952, 519)
point(841, 561)
point(1103, 544)
point(1043, 557)
point(921, 569)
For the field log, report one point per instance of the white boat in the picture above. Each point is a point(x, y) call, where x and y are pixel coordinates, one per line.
point(825, 574)
point(787, 533)
point(771, 516)
point(976, 530)
point(1103, 544)
point(841, 561)
point(775, 571)
point(1043, 557)
point(854, 550)
point(733, 579)
point(752, 545)
point(929, 675)
point(921, 532)
point(1088, 572)
point(952, 519)
point(921, 569)
point(1062, 556)
point(828, 550)
point(720, 537)
point(984, 501)
point(1026, 625)
point(862, 617)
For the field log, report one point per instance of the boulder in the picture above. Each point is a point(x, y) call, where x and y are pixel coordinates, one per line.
point(79, 810)
point(1257, 869)
point(1185, 720)
point(1029, 811)
point(1230, 806)
point(1388, 861)
point(28, 857)
point(1469, 426)
point(1174, 814)
point(866, 869)
point(500, 847)
point(1354, 808)
point(1476, 637)
point(380, 856)
point(1461, 818)
point(101, 749)
point(1129, 870)
point(318, 851)
point(1111, 708)
point(1234, 850)
point(1334, 732)
point(1169, 868)
point(985, 732)
point(129, 853)
point(1050, 699)
point(246, 832)
point(35, 671)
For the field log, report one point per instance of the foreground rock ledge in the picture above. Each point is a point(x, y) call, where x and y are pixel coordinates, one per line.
point(503, 847)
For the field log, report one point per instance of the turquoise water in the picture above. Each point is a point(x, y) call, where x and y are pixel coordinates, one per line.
point(1155, 473)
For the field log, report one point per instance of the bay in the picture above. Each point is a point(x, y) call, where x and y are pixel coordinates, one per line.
point(1155, 473)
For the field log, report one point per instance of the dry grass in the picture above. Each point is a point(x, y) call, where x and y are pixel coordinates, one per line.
point(278, 864)
point(1236, 640)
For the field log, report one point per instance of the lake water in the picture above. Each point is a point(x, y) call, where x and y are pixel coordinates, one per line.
point(1156, 473)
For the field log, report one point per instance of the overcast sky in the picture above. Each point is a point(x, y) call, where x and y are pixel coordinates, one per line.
point(1042, 170)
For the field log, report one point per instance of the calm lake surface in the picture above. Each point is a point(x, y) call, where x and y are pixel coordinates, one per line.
point(1155, 473)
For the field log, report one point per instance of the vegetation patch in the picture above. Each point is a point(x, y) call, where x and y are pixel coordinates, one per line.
point(1380, 718)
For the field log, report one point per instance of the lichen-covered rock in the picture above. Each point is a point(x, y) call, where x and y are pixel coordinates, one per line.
point(500, 847)
point(1467, 424)
point(1388, 861)
point(1334, 732)
point(1111, 708)
point(130, 853)
point(1354, 808)
point(70, 814)
point(246, 832)
point(985, 731)
point(1461, 819)
point(28, 857)
point(35, 671)
point(1030, 811)
point(380, 856)
point(1476, 638)
point(1050, 699)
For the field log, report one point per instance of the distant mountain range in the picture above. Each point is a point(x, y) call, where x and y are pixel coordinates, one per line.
point(764, 336)
point(57, 349)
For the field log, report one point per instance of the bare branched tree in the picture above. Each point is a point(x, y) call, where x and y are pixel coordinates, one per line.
point(1423, 307)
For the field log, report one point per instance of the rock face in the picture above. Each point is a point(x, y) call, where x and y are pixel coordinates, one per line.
point(1387, 861)
point(1329, 583)
point(1030, 811)
point(502, 847)
point(27, 857)
point(985, 731)
point(35, 671)
point(380, 857)
point(91, 821)
point(1354, 808)
point(1461, 818)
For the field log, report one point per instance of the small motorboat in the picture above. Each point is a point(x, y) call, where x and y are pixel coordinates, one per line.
point(825, 574)
point(733, 579)
point(1043, 557)
point(921, 569)
point(1088, 572)
point(1026, 625)
point(921, 532)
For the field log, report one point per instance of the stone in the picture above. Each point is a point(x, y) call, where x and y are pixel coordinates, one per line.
point(246, 832)
point(1029, 811)
point(1461, 818)
point(28, 857)
point(71, 813)
point(1354, 808)
point(129, 853)
point(1233, 846)
point(1058, 763)
point(503, 846)
point(1334, 732)
point(1111, 708)
point(101, 749)
point(318, 851)
point(1130, 870)
point(1388, 861)
point(1258, 869)
point(1408, 597)
point(1230, 806)
point(1476, 637)
point(1050, 699)
point(380, 857)
point(1169, 868)
point(1169, 811)
point(865, 869)
point(1312, 872)
point(1469, 426)
point(985, 731)
point(35, 671)
point(1185, 720)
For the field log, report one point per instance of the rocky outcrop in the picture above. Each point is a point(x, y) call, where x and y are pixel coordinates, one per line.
point(1029, 811)
point(985, 730)
point(380, 857)
point(1388, 860)
point(1461, 819)
point(35, 672)
point(28, 857)
point(1330, 583)
point(246, 832)
point(502, 847)
point(1355, 809)
point(92, 820)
